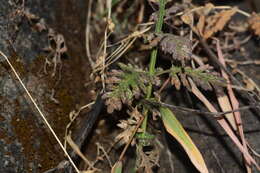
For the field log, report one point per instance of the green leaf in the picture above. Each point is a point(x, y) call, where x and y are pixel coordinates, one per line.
point(117, 168)
point(174, 127)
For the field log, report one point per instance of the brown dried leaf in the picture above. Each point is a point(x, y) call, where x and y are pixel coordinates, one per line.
point(187, 18)
point(217, 22)
point(254, 23)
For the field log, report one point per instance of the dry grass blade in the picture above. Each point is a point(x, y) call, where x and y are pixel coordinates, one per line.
point(40, 112)
point(174, 127)
point(125, 44)
point(222, 122)
point(235, 105)
point(114, 58)
point(225, 105)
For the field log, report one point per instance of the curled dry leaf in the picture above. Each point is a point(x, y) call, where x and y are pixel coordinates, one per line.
point(37, 22)
point(254, 23)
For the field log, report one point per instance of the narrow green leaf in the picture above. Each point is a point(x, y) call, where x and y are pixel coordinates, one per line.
point(174, 127)
point(117, 168)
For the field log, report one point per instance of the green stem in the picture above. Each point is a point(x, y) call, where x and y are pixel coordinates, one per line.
point(158, 29)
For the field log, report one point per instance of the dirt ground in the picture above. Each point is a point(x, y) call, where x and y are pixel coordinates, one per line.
point(26, 145)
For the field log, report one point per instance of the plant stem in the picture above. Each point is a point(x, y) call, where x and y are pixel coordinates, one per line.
point(158, 29)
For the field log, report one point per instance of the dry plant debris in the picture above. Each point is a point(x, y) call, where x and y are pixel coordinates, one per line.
point(128, 127)
point(147, 160)
point(210, 21)
point(254, 23)
point(57, 47)
point(128, 85)
point(215, 23)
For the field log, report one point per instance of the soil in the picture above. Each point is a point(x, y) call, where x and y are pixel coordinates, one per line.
point(27, 146)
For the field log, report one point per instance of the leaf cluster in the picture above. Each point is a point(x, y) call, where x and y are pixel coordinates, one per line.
point(202, 77)
point(125, 85)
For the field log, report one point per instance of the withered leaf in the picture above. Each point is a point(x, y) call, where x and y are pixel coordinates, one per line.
point(187, 18)
point(254, 23)
point(217, 22)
